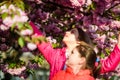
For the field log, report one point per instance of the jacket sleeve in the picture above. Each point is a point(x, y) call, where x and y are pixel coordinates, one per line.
point(35, 29)
point(49, 53)
point(111, 62)
point(46, 49)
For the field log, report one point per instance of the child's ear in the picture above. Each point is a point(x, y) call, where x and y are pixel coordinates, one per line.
point(82, 60)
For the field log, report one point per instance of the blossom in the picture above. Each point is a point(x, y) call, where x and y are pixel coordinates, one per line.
point(77, 3)
point(8, 21)
point(101, 40)
point(11, 9)
point(115, 24)
point(16, 71)
point(21, 18)
point(31, 46)
point(26, 32)
point(92, 28)
point(3, 9)
point(11, 20)
point(3, 27)
point(104, 27)
point(89, 2)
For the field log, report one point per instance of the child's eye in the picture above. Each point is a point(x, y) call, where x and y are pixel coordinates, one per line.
point(72, 52)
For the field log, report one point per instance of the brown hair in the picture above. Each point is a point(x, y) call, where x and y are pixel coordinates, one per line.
point(88, 52)
point(83, 36)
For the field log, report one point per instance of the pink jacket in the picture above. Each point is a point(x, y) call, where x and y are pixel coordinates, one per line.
point(56, 57)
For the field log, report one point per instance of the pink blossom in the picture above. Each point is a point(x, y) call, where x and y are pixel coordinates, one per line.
point(89, 2)
point(26, 32)
point(115, 24)
point(3, 9)
point(110, 34)
point(38, 1)
point(77, 3)
point(116, 10)
point(3, 27)
point(31, 46)
point(92, 28)
point(16, 71)
point(104, 27)
point(78, 16)
point(101, 38)
point(8, 21)
point(11, 9)
point(114, 41)
point(20, 18)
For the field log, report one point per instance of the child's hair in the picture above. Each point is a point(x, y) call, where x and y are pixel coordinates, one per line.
point(83, 36)
point(88, 52)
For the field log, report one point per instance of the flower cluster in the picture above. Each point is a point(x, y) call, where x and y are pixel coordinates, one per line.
point(12, 16)
point(17, 46)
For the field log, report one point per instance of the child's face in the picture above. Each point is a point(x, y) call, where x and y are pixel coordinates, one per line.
point(71, 36)
point(74, 59)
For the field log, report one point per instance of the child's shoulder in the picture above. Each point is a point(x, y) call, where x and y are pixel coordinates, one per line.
point(60, 73)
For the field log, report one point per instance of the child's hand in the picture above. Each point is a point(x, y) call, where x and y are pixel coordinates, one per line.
point(38, 39)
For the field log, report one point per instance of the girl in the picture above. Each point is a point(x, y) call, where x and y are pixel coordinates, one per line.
point(80, 64)
point(57, 57)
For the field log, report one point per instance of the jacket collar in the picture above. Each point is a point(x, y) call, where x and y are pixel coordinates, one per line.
point(81, 72)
